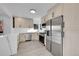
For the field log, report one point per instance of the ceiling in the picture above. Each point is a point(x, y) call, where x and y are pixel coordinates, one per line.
point(22, 9)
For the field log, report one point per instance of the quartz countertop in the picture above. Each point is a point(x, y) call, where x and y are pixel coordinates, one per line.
point(24, 30)
point(1, 36)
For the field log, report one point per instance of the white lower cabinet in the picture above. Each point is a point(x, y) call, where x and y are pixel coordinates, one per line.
point(35, 36)
point(24, 37)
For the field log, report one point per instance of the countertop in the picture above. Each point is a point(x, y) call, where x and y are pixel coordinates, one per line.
point(24, 30)
point(2, 35)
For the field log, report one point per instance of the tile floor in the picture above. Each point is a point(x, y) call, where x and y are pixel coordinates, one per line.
point(32, 48)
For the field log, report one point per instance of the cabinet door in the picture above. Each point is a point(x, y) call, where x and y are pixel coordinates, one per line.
point(17, 41)
point(27, 23)
point(49, 16)
point(22, 37)
point(31, 24)
point(58, 10)
point(35, 36)
point(27, 36)
point(22, 22)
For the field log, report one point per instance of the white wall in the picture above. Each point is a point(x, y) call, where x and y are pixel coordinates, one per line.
point(4, 46)
point(7, 24)
point(71, 38)
point(11, 37)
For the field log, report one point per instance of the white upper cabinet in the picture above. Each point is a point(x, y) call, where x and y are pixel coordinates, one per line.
point(53, 12)
point(58, 10)
point(43, 19)
point(23, 22)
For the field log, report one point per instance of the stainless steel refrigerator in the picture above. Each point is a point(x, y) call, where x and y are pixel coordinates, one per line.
point(48, 36)
point(55, 38)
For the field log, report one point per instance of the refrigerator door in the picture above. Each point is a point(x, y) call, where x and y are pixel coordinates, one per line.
point(57, 39)
point(48, 42)
point(48, 37)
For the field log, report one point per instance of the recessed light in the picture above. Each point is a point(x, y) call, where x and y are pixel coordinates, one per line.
point(33, 11)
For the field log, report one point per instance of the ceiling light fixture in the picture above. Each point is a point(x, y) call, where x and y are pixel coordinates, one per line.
point(33, 11)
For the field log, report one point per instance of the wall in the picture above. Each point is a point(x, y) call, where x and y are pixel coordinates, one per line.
point(4, 46)
point(8, 30)
point(35, 36)
point(71, 39)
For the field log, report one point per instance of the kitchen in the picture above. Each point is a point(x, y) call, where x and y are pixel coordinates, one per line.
point(39, 29)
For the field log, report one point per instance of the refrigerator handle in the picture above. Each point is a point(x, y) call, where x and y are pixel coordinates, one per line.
point(62, 24)
point(62, 34)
